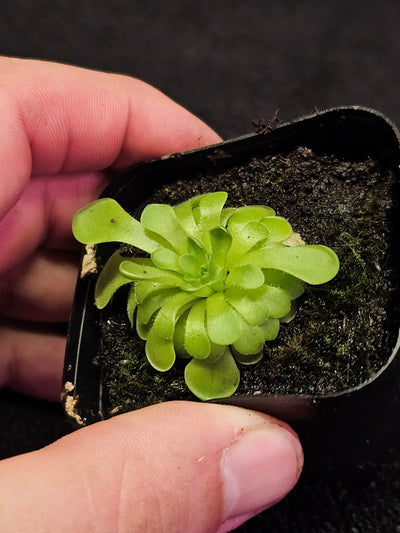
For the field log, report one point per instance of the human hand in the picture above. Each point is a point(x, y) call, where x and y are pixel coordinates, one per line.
point(177, 466)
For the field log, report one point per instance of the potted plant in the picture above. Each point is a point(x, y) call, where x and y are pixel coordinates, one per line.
point(332, 371)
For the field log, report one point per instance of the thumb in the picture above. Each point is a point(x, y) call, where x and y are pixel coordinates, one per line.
point(173, 467)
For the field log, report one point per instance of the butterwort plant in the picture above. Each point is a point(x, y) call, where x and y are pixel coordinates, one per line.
point(208, 283)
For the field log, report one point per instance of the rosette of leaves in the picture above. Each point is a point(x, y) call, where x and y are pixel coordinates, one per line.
point(214, 283)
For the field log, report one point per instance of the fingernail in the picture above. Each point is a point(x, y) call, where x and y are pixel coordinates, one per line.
point(258, 470)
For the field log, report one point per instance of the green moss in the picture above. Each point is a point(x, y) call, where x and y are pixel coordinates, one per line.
point(354, 255)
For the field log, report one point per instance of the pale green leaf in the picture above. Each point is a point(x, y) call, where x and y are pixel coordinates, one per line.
point(209, 381)
point(184, 214)
point(105, 220)
point(248, 213)
point(143, 330)
point(226, 213)
point(245, 276)
point(164, 323)
point(110, 280)
point(197, 342)
point(194, 247)
point(190, 265)
point(223, 322)
point(145, 288)
point(245, 237)
point(165, 259)
point(278, 227)
point(292, 285)
point(253, 337)
point(160, 351)
point(250, 341)
point(162, 220)
point(153, 302)
point(131, 303)
point(210, 206)
point(216, 352)
point(278, 301)
point(179, 336)
point(250, 359)
point(291, 314)
point(220, 243)
point(142, 269)
point(251, 304)
point(248, 350)
point(270, 329)
point(314, 264)
point(196, 215)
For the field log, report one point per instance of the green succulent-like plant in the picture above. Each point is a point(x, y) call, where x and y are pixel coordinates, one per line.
point(215, 283)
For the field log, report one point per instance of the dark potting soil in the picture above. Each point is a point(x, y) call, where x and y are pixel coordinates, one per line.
point(344, 331)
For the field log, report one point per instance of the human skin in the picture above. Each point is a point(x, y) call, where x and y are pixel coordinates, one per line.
point(179, 466)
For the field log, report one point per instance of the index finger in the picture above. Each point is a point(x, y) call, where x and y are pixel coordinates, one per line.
point(58, 119)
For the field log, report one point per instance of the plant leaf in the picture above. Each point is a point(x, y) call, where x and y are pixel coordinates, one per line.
point(162, 220)
point(210, 206)
point(197, 342)
point(184, 214)
point(179, 336)
point(164, 323)
point(166, 259)
point(292, 285)
point(131, 304)
point(291, 314)
point(143, 330)
point(245, 276)
point(250, 341)
point(314, 264)
point(253, 337)
point(277, 300)
point(110, 280)
point(153, 303)
point(278, 227)
point(248, 213)
point(245, 236)
point(251, 304)
point(250, 359)
point(190, 265)
point(216, 352)
point(105, 220)
point(248, 350)
point(223, 322)
point(270, 329)
point(160, 351)
point(208, 381)
point(226, 213)
point(220, 243)
point(145, 288)
point(194, 247)
point(143, 269)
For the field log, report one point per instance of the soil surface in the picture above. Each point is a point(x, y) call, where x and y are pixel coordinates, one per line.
point(343, 331)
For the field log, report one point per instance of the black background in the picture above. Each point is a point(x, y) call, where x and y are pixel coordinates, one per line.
point(230, 63)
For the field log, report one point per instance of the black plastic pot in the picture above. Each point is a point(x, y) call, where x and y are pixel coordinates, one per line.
point(343, 428)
